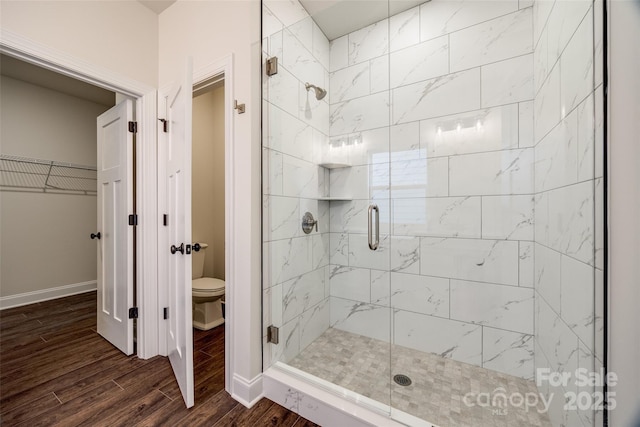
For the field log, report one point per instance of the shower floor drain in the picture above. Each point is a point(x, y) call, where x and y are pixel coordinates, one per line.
point(402, 380)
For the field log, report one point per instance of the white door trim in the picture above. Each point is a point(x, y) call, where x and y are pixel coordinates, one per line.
point(224, 66)
point(52, 59)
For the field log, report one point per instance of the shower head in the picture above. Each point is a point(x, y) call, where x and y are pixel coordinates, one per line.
point(320, 93)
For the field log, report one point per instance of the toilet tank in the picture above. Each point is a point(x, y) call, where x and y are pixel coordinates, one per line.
point(197, 262)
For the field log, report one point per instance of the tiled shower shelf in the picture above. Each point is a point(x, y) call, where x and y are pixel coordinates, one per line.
point(334, 165)
point(336, 199)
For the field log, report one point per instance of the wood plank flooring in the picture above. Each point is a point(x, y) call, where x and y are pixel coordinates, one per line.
point(56, 370)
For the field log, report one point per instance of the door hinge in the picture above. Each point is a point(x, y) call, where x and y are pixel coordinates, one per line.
point(133, 127)
point(271, 66)
point(133, 219)
point(165, 125)
point(272, 334)
point(165, 313)
point(133, 313)
point(165, 220)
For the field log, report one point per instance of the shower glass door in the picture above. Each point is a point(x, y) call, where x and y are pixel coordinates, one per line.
point(326, 115)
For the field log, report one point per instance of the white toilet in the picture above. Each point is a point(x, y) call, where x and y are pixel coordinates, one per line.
point(207, 294)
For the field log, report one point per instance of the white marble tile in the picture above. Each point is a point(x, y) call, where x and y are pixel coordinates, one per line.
point(283, 91)
point(405, 254)
point(275, 44)
point(348, 83)
point(300, 178)
point(494, 173)
point(373, 149)
point(504, 307)
point(525, 3)
point(290, 340)
point(272, 306)
point(501, 38)
point(437, 217)
point(546, 109)
point(541, 218)
point(447, 338)
point(379, 74)
point(270, 23)
point(288, 11)
point(586, 133)
point(283, 218)
point(320, 46)
point(339, 248)
point(303, 31)
point(361, 318)
point(420, 178)
point(541, 65)
point(360, 255)
point(420, 62)
point(577, 298)
point(381, 288)
point(320, 250)
point(405, 141)
point(599, 223)
point(449, 94)
point(288, 258)
point(598, 54)
point(313, 322)
point(350, 283)
point(599, 133)
point(541, 11)
point(313, 112)
point(556, 341)
point(599, 341)
point(571, 221)
point(507, 217)
point(508, 352)
point(507, 81)
point(439, 17)
point(527, 264)
point(547, 275)
point(525, 124)
point(368, 112)
point(272, 172)
point(587, 361)
point(298, 60)
point(490, 129)
point(369, 42)
point(564, 19)
point(404, 29)
point(420, 294)
point(470, 259)
point(338, 53)
point(301, 293)
point(348, 216)
point(576, 65)
point(288, 134)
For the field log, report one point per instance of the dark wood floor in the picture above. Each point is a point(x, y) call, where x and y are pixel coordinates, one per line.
point(56, 370)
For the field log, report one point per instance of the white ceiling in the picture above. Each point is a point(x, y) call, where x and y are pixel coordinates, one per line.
point(158, 6)
point(339, 17)
point(20, 70)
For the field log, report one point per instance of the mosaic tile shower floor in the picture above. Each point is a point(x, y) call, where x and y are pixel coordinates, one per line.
point(438, 388)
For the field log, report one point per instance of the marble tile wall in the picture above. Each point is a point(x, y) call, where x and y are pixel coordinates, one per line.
point(440, 99)
point(568, 199)
point(295, 264)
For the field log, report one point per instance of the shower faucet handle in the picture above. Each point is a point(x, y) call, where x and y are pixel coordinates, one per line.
point(308, 222)
point(196, 247)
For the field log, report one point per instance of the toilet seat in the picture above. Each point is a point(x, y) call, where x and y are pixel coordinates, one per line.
point(207, 287)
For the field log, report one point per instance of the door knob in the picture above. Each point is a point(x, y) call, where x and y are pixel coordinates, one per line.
point(196, 247)
point(175, 249)
point(95, 236)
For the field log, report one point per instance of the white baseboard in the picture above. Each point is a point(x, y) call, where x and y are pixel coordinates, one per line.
point(247, 392)
point(46, 294)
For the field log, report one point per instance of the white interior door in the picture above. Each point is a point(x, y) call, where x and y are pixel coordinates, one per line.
point(178, 188)
point(115, 243)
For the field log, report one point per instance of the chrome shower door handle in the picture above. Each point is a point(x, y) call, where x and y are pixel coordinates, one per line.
point(373, 245)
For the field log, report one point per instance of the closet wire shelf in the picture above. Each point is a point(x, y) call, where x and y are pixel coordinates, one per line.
point(35, 175)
